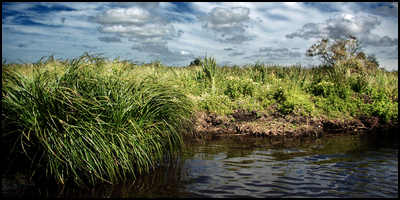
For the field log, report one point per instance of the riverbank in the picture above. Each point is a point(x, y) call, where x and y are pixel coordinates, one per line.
point(254, 123)
point(90, 120)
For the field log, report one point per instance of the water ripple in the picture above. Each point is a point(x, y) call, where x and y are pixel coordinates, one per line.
point(298, 174)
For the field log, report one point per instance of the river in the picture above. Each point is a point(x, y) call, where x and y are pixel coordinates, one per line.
point(334, 165)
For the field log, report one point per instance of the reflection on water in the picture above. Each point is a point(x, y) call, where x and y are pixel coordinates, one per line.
point(332, 166)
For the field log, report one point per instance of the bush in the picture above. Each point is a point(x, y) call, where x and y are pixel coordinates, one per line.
point(295, 102)
point(264, 94)
point(384, 110)
point(236, 87)
point(359, 83)
point(219, 104)
point(323, 88)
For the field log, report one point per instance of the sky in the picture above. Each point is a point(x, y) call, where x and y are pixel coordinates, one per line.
point(175, 33)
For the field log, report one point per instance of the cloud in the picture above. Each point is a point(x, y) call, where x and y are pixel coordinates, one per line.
point(342, 25)
point(22, 46)
point(229, 49)
point(180, 33)
point(273, 49)
point(227, 20)
point(391, 10)
point(394, 54)
point(338, 26)
point(375, 40)
point(139, 4)
point(146, 33)
point(153, 48)
point(234, 54)
point(275, 53)
point(109, 39)
point(128, 16)
point(228, 23)
point(236, 39)
point(136, 23)
point(149, 31)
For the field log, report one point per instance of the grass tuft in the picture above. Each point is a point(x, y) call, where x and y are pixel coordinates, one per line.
point(88, 126)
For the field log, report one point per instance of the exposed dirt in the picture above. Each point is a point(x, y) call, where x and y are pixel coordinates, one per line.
point(258, 124)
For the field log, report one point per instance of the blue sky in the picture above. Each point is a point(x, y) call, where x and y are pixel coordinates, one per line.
point(177, 33)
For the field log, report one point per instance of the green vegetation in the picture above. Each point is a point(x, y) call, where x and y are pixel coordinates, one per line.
point(91, 120)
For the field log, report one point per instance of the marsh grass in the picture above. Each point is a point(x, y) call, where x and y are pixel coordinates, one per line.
point(91, 123)
point(333, 91)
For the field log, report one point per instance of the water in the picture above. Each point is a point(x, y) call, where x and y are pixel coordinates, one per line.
point(332, 166)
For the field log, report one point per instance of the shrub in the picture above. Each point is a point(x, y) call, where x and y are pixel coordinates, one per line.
point(384, 110)
point(294, 101)
point(236, 87)
point(264, 94)
point(196, 62)
point(359, 83)
point(219, 104)
point(323, 88)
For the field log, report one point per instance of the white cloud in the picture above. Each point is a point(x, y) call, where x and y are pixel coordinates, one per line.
point(130, 16)
point(227, 20)
point(148, 31)
point(340, 25)
point(228, 24)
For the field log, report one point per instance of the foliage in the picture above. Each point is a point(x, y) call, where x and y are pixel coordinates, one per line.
point(258, 72)
point(339, 49)
point(215, 103)
point(343, 52)
point(236, 87)
point(196, 62)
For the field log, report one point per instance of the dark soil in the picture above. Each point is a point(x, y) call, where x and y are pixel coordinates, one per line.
point(243, 122)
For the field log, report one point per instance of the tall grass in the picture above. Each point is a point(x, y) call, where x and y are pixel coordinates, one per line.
point(91, 123)
point(209, 70)
point(333, 91)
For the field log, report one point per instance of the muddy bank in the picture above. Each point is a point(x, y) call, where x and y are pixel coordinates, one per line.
point(254, 123)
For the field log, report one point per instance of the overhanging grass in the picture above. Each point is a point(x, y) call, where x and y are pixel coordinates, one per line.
point(89, 126)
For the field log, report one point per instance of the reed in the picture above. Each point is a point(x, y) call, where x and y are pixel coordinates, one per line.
point(88, 125)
